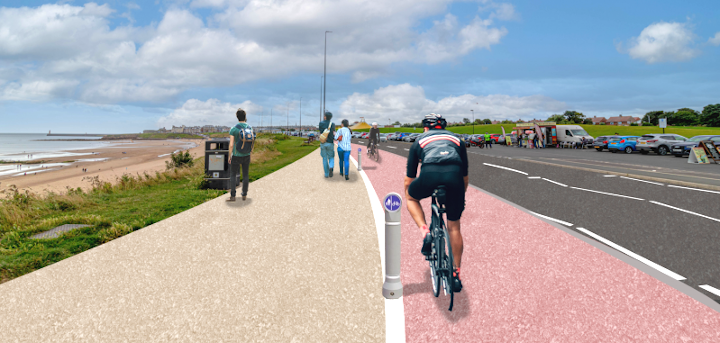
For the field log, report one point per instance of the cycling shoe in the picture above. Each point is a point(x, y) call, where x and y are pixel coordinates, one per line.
point(427, 245)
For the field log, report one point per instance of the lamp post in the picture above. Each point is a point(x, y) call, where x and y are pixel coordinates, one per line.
point(325, 71)
point(287, 123)
point(321, 97)
point(300, 116)
point(473, 122)
point(271, 120)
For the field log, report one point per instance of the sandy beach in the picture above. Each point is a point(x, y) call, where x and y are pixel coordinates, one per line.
point(108, 163)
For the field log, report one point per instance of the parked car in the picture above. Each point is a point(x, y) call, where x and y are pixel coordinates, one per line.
point(355, 134)
point(602, 142)
point(411, 138)
point(364, 135)
point(383, 137)
point(623, 143)
point(683, 148)
point(390, 136)
point(659, 143)
point(400, 136)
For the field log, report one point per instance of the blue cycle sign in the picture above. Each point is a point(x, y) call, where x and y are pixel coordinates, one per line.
point(392, 202)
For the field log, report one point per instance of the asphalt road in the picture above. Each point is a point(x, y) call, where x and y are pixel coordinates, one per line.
point(684, 243)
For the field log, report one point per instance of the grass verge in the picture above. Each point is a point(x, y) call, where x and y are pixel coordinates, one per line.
point(114, 210)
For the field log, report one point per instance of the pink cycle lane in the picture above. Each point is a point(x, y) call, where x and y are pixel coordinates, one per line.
point(528, 281)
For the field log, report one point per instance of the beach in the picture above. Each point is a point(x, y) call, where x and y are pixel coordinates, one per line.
point(108, 163)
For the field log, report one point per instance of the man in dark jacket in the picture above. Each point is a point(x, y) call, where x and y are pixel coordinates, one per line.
point(326, 149)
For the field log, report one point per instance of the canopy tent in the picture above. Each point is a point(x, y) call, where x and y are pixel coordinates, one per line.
point(360, 126)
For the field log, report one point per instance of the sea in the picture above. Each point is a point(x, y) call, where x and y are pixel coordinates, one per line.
point(22, 147)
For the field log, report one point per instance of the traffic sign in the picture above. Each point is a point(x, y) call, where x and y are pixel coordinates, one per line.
point(392, 202)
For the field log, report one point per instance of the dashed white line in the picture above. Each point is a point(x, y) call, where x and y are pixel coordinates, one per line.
point(611, 175)
point(710, 289)
point(555, 182)
point(552, 219)
point(654, 183)
point(533, 177)
point(686, 211)
point(406, 149)
point(613, 194)
point(634, 255)
point(391, 147)
point(694, 189)
point(506, 168)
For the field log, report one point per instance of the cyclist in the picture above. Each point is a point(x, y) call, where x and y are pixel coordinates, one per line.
point(444, 162)
point(374, 136)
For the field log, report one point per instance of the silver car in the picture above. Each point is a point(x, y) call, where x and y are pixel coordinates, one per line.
point(383, 137)
point(659, 143)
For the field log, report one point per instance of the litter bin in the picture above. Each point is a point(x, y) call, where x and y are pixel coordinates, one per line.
point(217, 170)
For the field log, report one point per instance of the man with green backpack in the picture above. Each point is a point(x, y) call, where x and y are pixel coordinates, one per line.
point(242, 141)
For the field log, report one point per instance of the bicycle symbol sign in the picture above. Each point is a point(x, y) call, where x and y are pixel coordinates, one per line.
point(392, 202)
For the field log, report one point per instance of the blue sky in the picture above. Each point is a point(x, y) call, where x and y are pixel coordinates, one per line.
point(118, 66)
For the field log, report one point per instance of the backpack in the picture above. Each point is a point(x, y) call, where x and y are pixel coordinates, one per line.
point(246, 140)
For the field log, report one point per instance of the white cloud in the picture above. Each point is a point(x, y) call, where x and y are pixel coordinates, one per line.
point(715, 40)
point(211, 112)
point(408, 104)
point(247, 40)
point(663, 42)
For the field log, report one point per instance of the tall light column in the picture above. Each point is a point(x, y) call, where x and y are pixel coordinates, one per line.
point(325, 72)
point(473, 122)
point(301, 117)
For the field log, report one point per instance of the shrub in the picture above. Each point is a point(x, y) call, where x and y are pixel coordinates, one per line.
point(647, 124)
point(179, 160)
point(633, 124)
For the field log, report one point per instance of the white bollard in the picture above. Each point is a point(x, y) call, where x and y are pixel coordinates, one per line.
point(392, 288)
point(359, 153)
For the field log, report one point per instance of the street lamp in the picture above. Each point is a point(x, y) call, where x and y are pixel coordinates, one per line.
point(300, 116)
point(325, 71)
point(473, 122)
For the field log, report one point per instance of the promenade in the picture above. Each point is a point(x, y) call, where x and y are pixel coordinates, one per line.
point(300, 261)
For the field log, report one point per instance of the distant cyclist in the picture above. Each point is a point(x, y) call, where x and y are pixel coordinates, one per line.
point(444, 162)
point(374, 136)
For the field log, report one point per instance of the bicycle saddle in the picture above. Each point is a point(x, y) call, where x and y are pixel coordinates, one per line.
point(440, 195)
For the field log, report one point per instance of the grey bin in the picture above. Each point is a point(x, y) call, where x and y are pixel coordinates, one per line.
point(217, 169)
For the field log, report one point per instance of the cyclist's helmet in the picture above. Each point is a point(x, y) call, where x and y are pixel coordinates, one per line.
point(374, 124)
point(434, 121)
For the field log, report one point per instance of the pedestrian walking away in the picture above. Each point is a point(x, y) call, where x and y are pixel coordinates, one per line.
point(242, 142)
point(326, 148)
point(344, 148)
point(444, 162)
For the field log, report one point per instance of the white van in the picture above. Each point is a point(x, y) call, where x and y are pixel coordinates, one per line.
point(572, 133)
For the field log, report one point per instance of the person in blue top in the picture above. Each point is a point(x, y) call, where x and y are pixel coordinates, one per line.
point(344, 148)
point(236, 159)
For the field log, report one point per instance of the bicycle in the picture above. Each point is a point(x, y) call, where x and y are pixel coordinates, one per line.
point(441, 263)
point(373, 152)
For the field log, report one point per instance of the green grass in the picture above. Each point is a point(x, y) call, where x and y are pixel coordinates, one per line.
point(593, 130)
point(115, 210)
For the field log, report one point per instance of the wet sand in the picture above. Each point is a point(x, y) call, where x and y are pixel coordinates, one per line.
point(140, 156)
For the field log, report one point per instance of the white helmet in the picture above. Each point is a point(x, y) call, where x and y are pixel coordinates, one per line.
point(374, 124)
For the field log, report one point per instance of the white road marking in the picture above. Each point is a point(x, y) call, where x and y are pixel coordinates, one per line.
point(553, 219)
point(613, 194)
point(611, 175)
point(654, 183)
point(533, 177)
point(506, 168)
point(634, 255)
point(710, 289)
point(406, 149)
point(686, 211)
point(391, 147)
point(394, 308)
point(694, 189)
point(557, 183)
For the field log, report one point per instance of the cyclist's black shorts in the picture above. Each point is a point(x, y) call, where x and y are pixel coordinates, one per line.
point(432, 176)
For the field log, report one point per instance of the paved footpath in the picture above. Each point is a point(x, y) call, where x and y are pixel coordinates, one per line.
point(299, 261)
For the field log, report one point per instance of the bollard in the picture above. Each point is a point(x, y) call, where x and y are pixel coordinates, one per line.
point(392, 288)
point(359, 167)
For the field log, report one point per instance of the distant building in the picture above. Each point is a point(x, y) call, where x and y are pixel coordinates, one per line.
point(623, 120)
point(597, 121)
point(495, 122)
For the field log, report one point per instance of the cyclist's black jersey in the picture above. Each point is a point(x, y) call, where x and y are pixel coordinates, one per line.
point(374, 135)
point(437, 148)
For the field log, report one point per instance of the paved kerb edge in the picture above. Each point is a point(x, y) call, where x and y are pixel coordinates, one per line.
point(394, 308)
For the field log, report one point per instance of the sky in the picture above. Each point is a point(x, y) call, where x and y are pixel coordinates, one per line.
point(124, 67)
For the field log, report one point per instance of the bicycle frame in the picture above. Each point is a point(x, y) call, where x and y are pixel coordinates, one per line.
point(441, 263)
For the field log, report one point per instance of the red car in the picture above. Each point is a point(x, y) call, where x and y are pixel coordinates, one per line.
point(364, 135)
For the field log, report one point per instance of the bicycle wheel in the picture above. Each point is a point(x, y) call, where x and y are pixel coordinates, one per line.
point(436, 269)
point(375, 153)
point(449, 264)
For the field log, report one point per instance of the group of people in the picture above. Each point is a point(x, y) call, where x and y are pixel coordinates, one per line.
point(342, 136)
